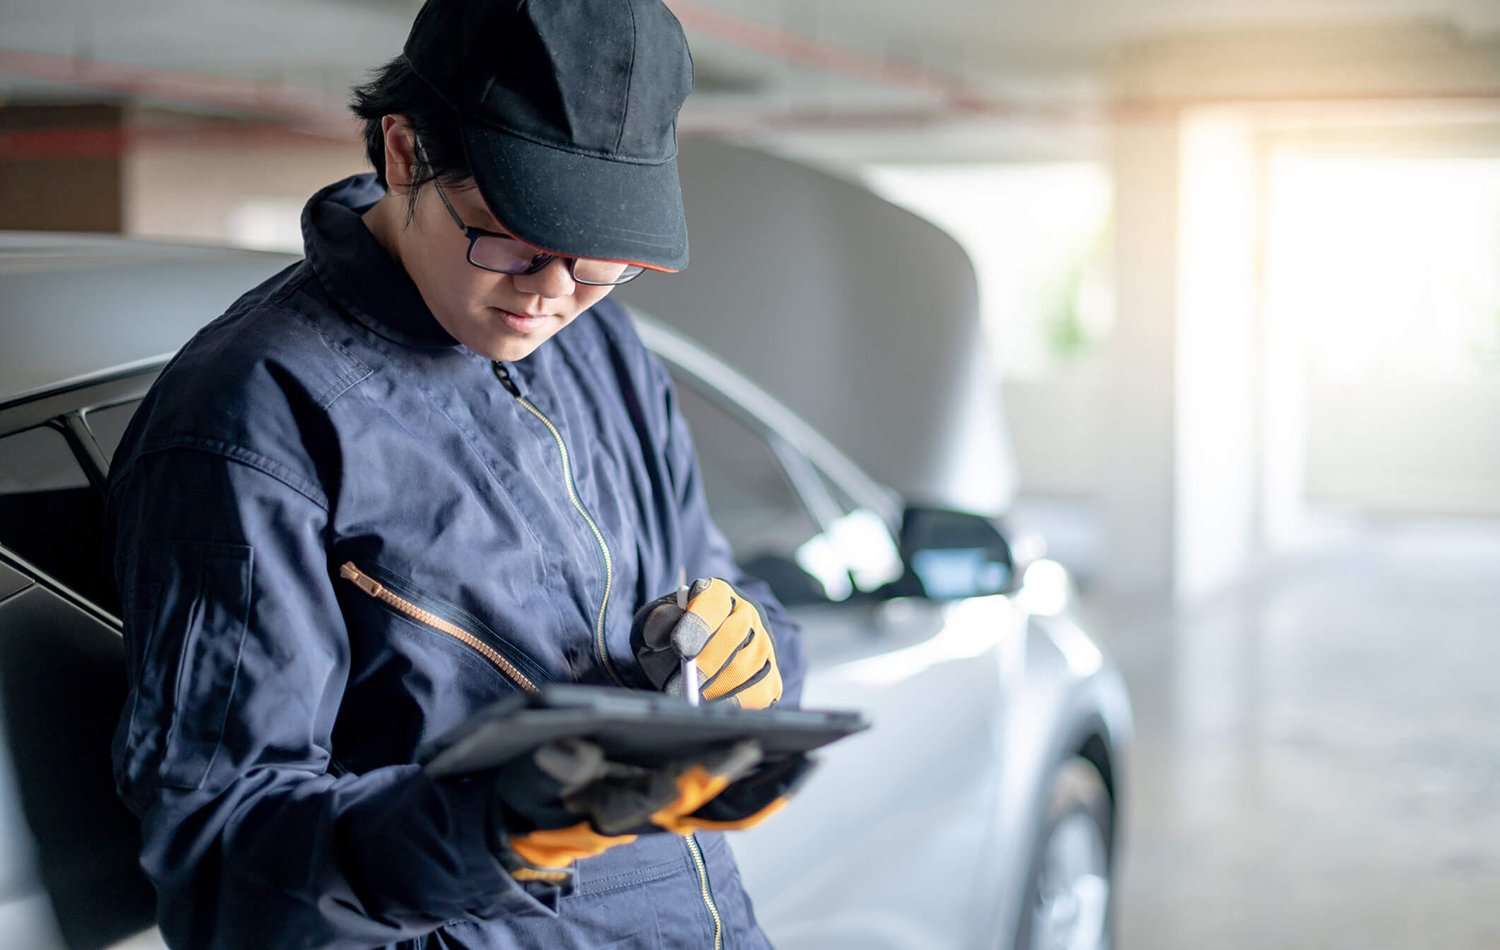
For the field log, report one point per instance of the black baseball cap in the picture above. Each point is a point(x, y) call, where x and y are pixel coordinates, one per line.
point(569, 117)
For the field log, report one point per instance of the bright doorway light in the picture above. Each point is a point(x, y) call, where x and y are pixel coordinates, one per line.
point(1383, 297)
point(1389, 268)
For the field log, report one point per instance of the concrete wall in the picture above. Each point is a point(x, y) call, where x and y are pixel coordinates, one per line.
point(1429, 448)
point(244, 189)
point(1055, 423)
point(78, 184)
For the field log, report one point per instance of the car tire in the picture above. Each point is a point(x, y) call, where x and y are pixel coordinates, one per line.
point(1069, 896)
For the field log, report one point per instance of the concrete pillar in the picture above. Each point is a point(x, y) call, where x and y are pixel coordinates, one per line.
point(1180, 449)
point(1138, 474)
point(1217, 452)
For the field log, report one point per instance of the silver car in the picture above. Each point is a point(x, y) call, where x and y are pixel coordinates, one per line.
point(982, 810)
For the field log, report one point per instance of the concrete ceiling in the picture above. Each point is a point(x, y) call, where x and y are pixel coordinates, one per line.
point(805, 62)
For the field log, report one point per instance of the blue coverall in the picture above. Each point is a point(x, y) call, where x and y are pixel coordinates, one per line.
point(319, 489)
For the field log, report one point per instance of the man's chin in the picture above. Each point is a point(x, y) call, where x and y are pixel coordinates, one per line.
point(509, 348)
point(497, 341)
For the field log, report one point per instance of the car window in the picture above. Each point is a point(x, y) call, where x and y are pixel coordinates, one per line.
point(859, 535)
point(108, 425)
point(840, 498)
point(754, 503)
point(50, 514)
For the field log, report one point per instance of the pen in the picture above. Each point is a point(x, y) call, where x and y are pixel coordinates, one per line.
point(689, 663)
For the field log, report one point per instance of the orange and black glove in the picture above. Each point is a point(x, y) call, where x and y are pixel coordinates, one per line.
point(723, 631)
point(567, 801)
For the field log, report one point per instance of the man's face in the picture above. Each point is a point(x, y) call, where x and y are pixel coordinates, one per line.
point(500, 316)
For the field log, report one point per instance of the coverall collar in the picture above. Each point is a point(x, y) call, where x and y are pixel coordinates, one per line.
point(359, 272)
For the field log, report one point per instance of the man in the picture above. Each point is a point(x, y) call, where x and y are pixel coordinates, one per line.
point(428, 466)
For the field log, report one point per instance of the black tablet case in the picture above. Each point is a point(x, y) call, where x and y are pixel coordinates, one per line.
point(630, 725)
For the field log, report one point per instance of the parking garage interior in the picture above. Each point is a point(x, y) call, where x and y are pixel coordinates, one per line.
point(1201, 301)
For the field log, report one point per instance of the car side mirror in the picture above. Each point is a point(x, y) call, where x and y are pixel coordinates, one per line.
point(953, 554)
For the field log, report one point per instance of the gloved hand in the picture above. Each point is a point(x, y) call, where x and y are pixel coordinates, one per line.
point(725, 633)
point(566, 801)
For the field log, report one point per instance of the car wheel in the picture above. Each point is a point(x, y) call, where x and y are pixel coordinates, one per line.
point(1068, 888)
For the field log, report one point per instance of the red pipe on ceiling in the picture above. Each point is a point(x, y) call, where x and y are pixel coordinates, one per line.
point(801, 51)
point(114, 141)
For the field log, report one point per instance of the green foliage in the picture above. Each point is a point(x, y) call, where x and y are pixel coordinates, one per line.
point(1069, 333)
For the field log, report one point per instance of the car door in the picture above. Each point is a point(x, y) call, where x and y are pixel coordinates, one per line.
point(882, 847)
point(68, 846)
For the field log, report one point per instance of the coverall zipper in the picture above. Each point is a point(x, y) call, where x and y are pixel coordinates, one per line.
point(503, 374)
point(703, 888)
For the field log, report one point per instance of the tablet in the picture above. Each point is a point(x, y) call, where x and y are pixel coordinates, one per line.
point(630, 725)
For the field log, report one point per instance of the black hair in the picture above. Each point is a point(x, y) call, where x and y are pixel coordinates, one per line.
point(395, 89)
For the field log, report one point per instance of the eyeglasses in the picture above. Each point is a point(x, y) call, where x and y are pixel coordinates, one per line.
point(504, 254)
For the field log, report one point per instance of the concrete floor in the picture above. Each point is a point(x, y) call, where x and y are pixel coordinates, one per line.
point(1318, 754)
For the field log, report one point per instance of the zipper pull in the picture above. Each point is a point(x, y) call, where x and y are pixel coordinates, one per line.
point(503, 374)
point(361, 580)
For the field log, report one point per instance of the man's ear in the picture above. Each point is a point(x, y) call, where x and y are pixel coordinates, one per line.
point(400, 152)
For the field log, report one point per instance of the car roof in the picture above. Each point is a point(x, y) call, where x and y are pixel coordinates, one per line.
point(74, 306)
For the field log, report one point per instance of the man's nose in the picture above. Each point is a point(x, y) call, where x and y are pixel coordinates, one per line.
point(554, 280)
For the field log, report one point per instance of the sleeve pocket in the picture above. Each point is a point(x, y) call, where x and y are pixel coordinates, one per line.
point(205, 618)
